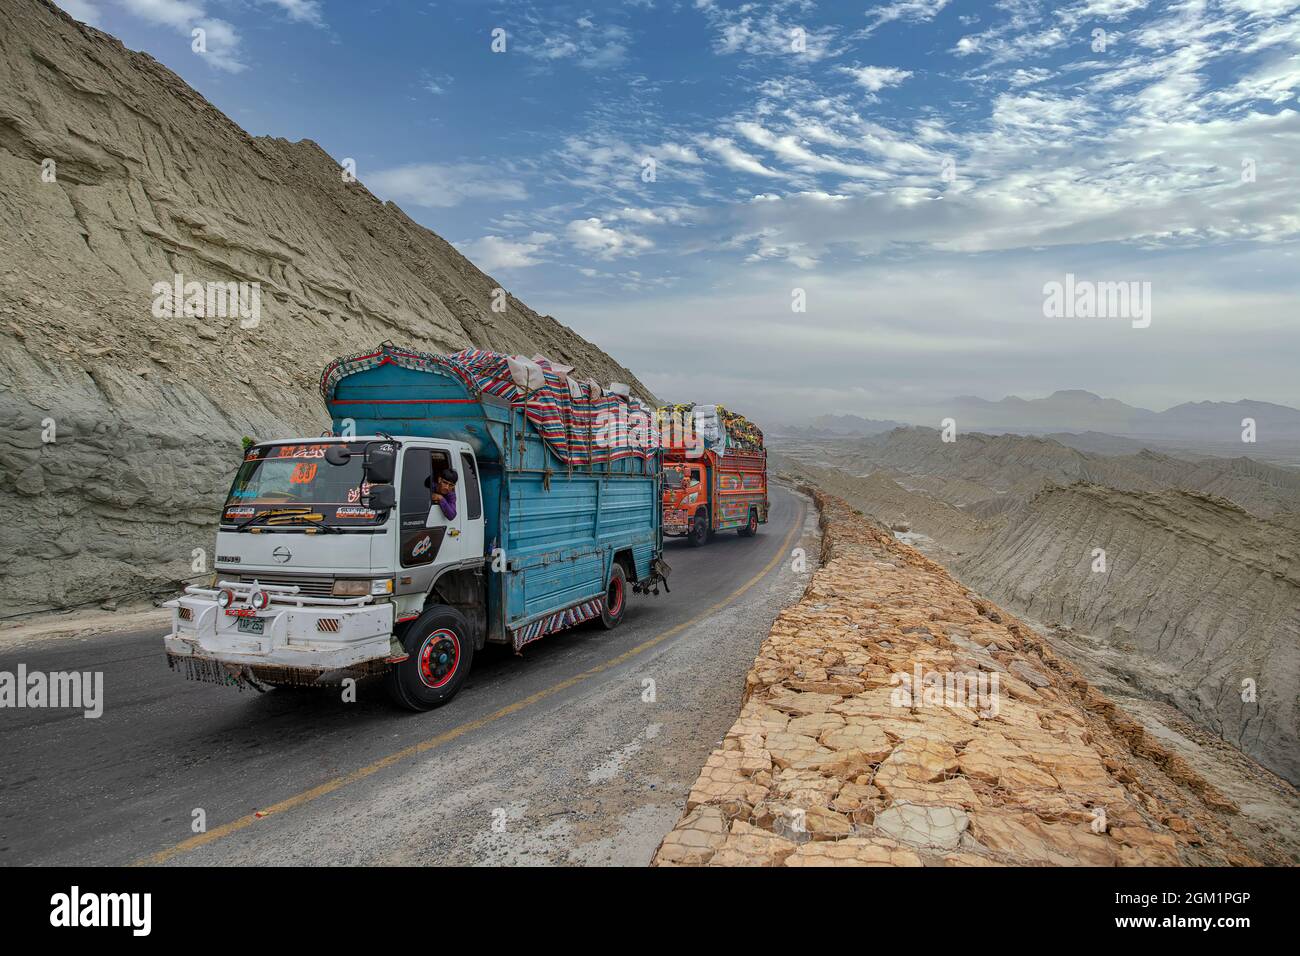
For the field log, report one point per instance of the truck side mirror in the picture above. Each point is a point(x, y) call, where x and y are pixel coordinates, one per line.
point(381, 497)
point(381, 463)
point(337, 455)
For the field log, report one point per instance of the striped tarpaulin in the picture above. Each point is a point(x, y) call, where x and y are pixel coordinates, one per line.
point(579, 422)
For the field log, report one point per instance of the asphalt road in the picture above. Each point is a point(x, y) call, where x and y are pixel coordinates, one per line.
point(580, 751)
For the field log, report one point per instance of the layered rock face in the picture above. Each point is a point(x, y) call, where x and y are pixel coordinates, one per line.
point(1198, 603)
point(837, 759)
point(122, 428)
point(1206, 594)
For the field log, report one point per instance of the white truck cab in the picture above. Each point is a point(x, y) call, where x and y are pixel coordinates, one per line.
point(326, 548)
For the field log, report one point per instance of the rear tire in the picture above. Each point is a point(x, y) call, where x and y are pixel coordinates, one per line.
point(441, 651)
point(699, 532)
point(615, 604)
point(751, 526)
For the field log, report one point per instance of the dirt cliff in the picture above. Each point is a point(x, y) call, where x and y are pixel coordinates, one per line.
point(828, 765)
point(121, 428)
point(1200, 598)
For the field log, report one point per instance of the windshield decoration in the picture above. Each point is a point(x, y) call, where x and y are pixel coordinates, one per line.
point(293, 485)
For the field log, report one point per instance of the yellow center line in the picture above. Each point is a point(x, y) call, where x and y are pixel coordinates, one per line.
point(338, 783)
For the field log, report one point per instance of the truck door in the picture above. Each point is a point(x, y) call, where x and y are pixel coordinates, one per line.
point(463, 533)
point(419, 546)
point(470, 494)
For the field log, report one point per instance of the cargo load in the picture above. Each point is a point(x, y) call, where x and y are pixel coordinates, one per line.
point(718, 427)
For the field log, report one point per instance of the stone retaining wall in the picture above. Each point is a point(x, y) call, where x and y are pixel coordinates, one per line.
point(838, 759)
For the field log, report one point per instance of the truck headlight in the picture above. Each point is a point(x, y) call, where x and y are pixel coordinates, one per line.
point(355, 588)
point(381, 586)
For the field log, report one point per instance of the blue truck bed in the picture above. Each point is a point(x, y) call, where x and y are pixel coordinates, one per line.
point(561, 525)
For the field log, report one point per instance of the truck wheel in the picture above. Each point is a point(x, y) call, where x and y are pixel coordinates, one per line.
point(751, 526)
point(441, 651)
point(699, 532)
point(615, 606)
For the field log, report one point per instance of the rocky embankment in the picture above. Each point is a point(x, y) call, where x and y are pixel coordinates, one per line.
point(829, 763)
point(121, 427)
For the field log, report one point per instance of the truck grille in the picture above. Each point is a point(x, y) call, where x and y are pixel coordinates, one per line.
point(314, 585)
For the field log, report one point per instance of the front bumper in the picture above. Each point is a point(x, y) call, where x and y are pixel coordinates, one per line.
point(676, 522)
point(304, 635)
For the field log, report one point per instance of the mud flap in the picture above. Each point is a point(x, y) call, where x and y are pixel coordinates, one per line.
point(659, 571)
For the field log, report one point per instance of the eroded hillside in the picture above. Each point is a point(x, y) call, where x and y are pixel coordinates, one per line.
point(1202, 592)
point(115, 175)
point(1195, 601)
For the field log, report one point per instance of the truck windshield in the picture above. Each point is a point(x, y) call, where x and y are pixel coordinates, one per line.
point(298, 480)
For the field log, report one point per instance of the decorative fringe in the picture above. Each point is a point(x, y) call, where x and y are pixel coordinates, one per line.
point(205, 671)
point(260, 678)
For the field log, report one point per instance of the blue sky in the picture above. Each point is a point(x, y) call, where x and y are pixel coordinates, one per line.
point(919, 168)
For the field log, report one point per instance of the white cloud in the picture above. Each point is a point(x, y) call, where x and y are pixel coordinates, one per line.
point(908, 11)
point(1275, 82)
point(605, 242)
point(438, 186)
point(737, 158)
point(215, 40)
point(179, 14)
point(82, 10)
point(220, 43)
point(587, 44)
point(495, 252)
point(436, 84)
point(775, 31)
point(790, 149)
point(666, 215)
point(876, 78)
point(302, 11)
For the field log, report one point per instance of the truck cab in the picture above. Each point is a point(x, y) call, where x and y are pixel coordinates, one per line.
point(686, 499)
point(313, 577)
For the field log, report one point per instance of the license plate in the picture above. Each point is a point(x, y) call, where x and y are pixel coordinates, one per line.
point(250, 625)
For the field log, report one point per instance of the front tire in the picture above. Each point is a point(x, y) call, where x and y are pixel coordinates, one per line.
point(699, 532)
point(615, 604)
point(441, 651)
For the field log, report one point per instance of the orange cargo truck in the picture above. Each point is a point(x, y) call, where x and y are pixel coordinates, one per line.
point(714, 491)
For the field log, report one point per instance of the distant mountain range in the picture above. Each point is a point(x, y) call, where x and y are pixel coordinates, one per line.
point(1075, 411)
point(852, 425)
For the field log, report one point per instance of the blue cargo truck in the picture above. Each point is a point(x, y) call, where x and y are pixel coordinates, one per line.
point(335, 560)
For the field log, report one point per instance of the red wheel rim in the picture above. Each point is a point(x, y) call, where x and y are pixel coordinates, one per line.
point(614, 599)
point(439, 658)
point(753, 522)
